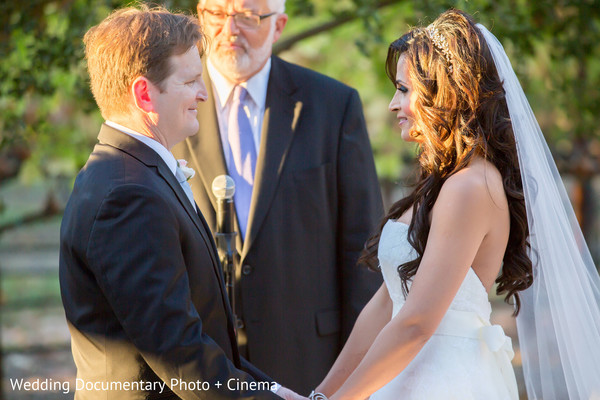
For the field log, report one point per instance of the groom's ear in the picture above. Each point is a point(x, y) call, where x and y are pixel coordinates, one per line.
point(143, 94)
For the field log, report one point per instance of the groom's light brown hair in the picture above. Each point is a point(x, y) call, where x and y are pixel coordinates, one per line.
point(133, 42)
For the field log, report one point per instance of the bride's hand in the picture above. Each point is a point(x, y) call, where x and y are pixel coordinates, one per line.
point(289, 394)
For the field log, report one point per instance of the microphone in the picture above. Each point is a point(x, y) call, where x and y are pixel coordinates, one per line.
point(223, 187)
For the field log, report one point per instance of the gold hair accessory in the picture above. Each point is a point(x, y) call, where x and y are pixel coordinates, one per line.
point(440, 42)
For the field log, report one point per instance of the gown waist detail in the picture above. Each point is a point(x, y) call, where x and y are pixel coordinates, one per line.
point(469, 324)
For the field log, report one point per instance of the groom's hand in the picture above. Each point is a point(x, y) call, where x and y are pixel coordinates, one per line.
point(288, 394)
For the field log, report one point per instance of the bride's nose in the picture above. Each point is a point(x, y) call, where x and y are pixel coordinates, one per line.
point(394, 103)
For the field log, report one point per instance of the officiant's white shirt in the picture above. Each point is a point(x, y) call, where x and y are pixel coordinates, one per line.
point(254, 108)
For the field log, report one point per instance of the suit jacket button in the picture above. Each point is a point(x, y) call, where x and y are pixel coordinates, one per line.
point(240, 324)
point(246, 269)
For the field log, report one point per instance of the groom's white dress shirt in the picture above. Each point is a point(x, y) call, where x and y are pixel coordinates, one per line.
point(161, 150)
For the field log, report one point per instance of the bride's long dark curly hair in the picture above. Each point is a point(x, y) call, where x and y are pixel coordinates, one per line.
point(460, 114)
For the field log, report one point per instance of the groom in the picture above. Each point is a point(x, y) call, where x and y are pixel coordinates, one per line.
point(140, 279)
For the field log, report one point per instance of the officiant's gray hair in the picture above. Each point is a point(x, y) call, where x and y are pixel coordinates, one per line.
point(277, 5)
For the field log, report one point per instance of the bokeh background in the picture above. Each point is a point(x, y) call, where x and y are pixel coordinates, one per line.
point(49, 123)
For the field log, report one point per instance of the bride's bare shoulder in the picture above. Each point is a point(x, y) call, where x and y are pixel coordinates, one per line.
point(480, 184)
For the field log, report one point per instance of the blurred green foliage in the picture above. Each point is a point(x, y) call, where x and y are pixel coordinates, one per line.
point(554, 47)
point(19, 290)
point(46, 106)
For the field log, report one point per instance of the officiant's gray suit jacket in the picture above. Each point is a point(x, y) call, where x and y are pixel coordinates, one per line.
point(316, 199)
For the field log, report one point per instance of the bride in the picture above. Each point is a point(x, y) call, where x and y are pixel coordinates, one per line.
point(488, 207)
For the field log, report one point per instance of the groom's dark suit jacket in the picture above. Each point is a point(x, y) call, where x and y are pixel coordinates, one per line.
point(141, 282)
point(315, 201)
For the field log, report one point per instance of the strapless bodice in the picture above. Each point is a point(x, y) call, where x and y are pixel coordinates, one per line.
point(394, 250)
point(467, 358)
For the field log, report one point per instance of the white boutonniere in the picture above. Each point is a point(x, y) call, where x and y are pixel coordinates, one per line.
point(188, 172)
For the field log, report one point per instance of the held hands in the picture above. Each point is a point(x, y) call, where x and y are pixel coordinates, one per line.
point(289, 394)
point(320, 396)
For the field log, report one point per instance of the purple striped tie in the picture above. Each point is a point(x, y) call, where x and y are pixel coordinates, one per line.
point(243, 156)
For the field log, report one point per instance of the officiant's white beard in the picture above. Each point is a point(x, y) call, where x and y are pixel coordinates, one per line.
point(241, 64)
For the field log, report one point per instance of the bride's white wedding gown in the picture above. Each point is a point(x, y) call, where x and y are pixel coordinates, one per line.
point(466, 358)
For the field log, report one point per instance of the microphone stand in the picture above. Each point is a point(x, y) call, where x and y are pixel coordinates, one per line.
point(227, 252)
point(223, 188)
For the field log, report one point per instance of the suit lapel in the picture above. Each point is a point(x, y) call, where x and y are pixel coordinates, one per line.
point(150, 158)
point(282, 111)
point(171, 180)
point(198, 220)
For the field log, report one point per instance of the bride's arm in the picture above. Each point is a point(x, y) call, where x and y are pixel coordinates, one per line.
point(460, 222)
point(370, 321)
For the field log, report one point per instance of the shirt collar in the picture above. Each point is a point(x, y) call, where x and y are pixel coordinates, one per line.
point(256, 85)
point(161, 150)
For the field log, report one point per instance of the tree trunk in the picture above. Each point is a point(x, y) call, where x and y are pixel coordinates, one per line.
point(584, 204)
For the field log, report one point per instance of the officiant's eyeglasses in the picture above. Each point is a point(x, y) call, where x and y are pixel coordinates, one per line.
point(244, 20)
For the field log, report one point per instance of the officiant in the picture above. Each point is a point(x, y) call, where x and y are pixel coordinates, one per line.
point(306, 196)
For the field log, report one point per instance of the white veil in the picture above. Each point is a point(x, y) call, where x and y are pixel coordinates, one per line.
point(559, 322)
